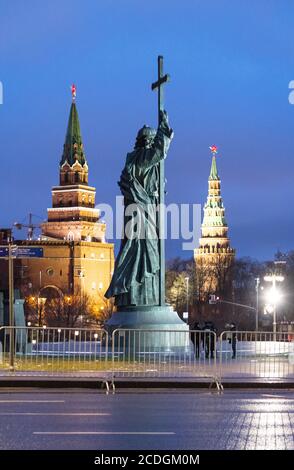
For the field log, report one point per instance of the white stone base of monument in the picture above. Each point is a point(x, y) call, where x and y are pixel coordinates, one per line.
point(149, 329)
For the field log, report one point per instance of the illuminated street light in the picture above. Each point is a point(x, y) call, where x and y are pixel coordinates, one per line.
point(41, 305)
point(257, 283)
point(186, 314)
point(268, 309)
point(277, 277)
point(273, 298)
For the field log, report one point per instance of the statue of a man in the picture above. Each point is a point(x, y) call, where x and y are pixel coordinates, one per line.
point(135, 280)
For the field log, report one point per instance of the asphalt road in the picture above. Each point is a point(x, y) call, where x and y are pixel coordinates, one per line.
point(141, 420)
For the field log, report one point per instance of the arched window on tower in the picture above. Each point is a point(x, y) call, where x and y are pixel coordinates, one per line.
point(77, 177)
point(70, 237)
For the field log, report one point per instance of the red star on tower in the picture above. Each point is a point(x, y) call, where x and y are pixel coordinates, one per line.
point(73, 91)
point(213, 149)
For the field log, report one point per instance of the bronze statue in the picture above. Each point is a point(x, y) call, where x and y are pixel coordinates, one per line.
point(136, 280)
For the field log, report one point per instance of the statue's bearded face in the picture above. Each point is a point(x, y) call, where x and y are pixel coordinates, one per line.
point(145, 137)
point(144, 142)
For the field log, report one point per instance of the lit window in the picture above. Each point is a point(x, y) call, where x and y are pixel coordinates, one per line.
point(70, 236)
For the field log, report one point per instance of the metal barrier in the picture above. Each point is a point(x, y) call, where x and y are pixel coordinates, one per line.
point(164, 354)
point(256, 355)
point(56, 351)
point(138, 353)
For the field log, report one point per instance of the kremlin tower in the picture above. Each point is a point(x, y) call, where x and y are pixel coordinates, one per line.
point(214, 256)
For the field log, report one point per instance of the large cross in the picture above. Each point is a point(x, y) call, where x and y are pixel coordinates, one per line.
point(161, 80)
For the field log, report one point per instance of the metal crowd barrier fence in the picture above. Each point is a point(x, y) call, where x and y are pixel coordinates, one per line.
point(256, 355)
point(146, 353)
point(164, 354)
point(54, 351)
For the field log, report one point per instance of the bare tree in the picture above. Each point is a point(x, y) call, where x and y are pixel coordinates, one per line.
point(69, 311)
point(102, 310)
point(177, 292)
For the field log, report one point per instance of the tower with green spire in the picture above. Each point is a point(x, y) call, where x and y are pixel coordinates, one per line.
point(73, 163)
point(73, 215)
point(77, 262)
point(214, 256)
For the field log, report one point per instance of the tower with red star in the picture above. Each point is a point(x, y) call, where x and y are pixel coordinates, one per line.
point(73, 215)
point(214, 256)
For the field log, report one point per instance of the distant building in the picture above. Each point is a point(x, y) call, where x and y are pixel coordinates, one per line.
point(5, 235)
point(214, 256)
point(74, 255)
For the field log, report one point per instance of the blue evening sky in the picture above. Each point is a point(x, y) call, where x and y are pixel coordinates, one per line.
point(230, 64)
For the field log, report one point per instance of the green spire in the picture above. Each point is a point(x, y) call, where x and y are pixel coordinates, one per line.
point(73, 146)
point(213, 171)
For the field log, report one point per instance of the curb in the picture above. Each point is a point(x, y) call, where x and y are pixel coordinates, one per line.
point(93, 383)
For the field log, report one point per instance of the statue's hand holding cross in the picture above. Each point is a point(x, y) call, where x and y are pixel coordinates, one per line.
point(163, 121)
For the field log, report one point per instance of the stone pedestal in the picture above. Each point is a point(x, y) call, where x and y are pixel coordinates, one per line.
point(149, 329)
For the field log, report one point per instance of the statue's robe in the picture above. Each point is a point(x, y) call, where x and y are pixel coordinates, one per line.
point(135, 279)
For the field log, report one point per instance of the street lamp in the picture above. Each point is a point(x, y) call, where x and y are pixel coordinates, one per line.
point(11, 255)
point(41, 303)
point(187, 297)
point(257, 281)
point(274, 297)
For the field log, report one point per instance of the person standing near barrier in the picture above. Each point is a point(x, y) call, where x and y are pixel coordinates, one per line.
point(196, 338)
point(232, 339)
point(209, 339)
